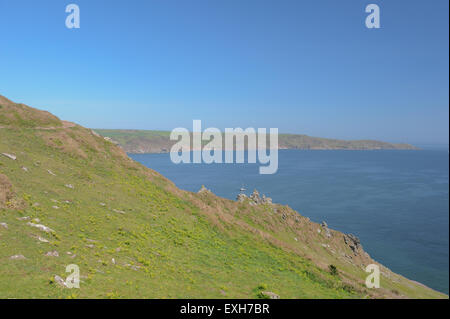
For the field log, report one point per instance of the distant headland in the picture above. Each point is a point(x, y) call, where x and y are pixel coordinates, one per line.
point(149, 141)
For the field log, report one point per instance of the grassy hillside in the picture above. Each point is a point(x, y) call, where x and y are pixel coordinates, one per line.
point(143, 141)
point(68, 196)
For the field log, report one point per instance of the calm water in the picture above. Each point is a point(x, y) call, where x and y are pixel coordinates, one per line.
point(396, 201)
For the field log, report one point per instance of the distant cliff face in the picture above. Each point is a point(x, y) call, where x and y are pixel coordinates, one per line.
point(143, 141)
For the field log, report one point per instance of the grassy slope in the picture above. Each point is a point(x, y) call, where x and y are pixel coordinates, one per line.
point(146, 141)
point(166, 243)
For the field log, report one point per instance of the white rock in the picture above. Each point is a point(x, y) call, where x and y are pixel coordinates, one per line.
point(270, 295)
point(52, 254)
point(43, 240)
point(4, 225)
point(60, 281)
point(17, 257)
point(10, 156)
point(41, 227)
point(51, 173)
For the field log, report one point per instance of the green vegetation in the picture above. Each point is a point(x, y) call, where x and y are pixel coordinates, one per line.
point(135, 235)
point(333, 270)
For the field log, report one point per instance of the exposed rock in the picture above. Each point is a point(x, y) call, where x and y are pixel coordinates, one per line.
point(42, 240)
point(25, 169)
point(52, 254)
point(266, 200)
point(102, 204)
point(270, 295)
point(51, 173)
point(24, 218)
point(255, 197)
point(17, 257)
point(55, 207)
point(203, 189)
point(41, 227)
point(4, 225)
point(119, 211)
point(353, 242)
point(241, 197)
point(69, 186)
point(113, 261)
point(10, 156)
point(36, 220)
point(327, 230)
point(60, 281)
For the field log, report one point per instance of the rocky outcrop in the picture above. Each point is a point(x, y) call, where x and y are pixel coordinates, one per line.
point(326, 229)
point(203, 189)
point(241, 197)
point(256, 199)
point(353, 242)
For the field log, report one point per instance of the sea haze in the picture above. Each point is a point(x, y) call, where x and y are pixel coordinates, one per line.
point(396, 202)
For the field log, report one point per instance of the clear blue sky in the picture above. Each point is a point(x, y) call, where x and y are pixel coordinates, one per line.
point(303, 66)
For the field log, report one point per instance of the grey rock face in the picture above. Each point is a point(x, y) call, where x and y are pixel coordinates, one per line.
point(353, 242)
point(326, 229)
point(241, 197)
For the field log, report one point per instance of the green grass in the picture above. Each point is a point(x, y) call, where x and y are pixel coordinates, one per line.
point(167, 244)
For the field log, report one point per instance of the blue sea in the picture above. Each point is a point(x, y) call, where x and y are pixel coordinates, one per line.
point(396, 202)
